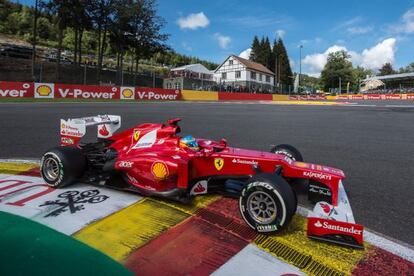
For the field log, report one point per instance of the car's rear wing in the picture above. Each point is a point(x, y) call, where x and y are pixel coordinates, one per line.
point(72, 130)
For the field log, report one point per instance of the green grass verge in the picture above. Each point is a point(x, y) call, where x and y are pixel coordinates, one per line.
point(30, 248)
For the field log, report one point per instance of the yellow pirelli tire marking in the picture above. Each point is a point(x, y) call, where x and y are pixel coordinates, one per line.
point(14, 168)
point(313, 257)
point(124, 231)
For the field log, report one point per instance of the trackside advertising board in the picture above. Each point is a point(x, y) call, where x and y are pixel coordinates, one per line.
point(16, 89)
point(92, 92)
point(156, 94)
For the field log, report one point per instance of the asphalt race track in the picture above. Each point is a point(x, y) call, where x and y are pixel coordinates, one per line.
point(373, 144)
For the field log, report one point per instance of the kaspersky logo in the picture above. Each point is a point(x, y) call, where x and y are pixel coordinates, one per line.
point(326, 225)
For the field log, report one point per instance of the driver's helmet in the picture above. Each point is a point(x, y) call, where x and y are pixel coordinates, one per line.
point(189, 142)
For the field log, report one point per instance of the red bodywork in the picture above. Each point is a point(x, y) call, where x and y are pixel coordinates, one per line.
point(185, 165)
point(150, 158)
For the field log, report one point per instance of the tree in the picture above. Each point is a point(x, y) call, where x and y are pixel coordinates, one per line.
point(386, 69)
point(255, 49)
point(359, 74)
point(283, 72)
point(338, 69)
point(408, 69)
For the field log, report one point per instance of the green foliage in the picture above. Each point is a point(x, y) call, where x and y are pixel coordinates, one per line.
point(283, 70)
point(386, 69)
point(100, 28)
point(275, 59)
point(338, 69)
point(408, 69)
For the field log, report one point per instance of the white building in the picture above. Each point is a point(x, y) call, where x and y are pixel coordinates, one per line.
point(239, 74)
point(192, 76)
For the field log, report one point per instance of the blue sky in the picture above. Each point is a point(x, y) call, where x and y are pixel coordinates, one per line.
point(373, 31)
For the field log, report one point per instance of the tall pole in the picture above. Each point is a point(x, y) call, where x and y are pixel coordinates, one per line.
point(300, 65)
point(340, 86)
point(34, 41)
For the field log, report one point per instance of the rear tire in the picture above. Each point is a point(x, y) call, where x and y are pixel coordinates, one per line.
point(62, 166)
point(267, 203)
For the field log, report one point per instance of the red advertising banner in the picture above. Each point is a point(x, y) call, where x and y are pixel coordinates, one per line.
point(94, 92)
point(16, 89)
point(229, 96)
point(156, 94)
point(309, 97)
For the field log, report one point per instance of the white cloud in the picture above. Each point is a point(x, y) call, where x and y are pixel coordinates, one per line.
point(381, 53)
point(246, 53)
point(186, 46)
point(222, 40)
point(406, 24)
point(193, 21)
point(314, 63)
point(348, 23)
point(280, 33)
point(359, 30)
point(371, 58)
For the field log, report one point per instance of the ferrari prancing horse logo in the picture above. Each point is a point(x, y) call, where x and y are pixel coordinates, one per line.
point(135, 136)
point(218, 163)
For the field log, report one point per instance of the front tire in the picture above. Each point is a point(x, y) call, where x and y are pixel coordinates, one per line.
point(288, 150)
point(267, 203)
point(62, 166)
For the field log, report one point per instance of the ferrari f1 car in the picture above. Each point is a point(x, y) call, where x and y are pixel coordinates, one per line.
point(153, 160)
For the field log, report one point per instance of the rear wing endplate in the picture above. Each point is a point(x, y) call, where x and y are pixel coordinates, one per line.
point(72, 130)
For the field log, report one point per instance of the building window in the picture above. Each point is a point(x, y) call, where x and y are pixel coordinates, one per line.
point(238, 74)
point(253, 75)
point(177, 85)
point(230, 62)
point(224, 76)
point(260, 77)
point(267, 78)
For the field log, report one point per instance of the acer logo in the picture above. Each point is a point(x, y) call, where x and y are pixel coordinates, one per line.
point(326, 225)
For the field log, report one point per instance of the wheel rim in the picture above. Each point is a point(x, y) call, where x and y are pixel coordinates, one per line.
point(261, 207)
point(50, 169)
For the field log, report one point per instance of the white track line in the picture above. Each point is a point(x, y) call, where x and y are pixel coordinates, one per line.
point(24, 161)
point(395, 247)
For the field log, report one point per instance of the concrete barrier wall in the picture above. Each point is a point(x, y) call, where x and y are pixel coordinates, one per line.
point(280, 98)
point(192, 95)
point(94, 92)
point(231, 96)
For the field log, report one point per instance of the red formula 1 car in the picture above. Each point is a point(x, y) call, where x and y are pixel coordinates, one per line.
point(152, 159)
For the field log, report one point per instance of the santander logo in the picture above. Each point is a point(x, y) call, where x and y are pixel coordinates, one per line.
point(199, 188)
point(349, 230)
point(104, 131)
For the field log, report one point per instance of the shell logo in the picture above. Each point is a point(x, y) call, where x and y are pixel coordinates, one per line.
point(159, 170)
point(127, 93)
point(44, 90)
point(301, 165)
